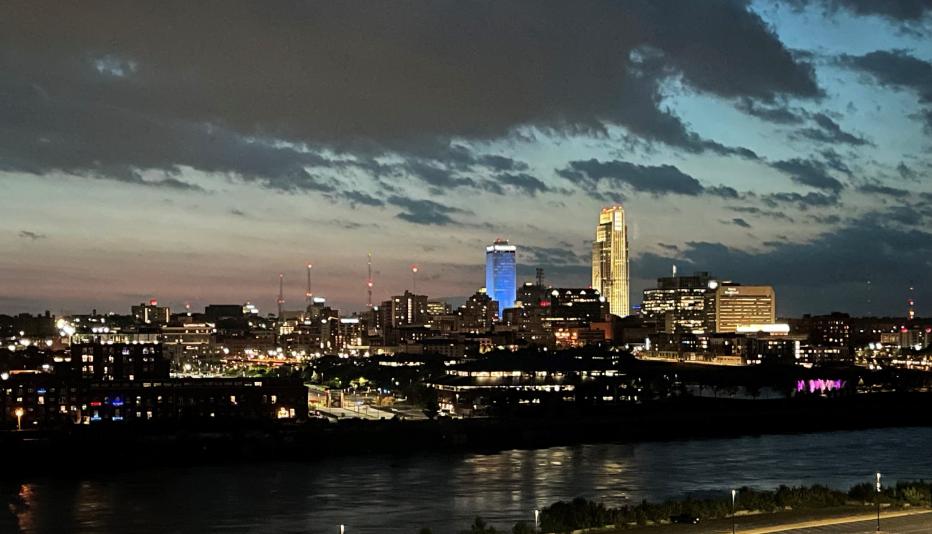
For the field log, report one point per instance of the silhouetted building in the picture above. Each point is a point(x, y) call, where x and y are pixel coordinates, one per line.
point(151, 313)
point(115, 361)
point(479, 313)
point(216, 312)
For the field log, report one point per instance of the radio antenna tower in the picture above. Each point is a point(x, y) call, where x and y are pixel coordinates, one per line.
point(310, 294)
point(369, 283)
point(911, 305)
point(281, 295)
point(414, 279)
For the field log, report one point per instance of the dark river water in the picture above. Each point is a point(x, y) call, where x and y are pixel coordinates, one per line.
point(388, 494)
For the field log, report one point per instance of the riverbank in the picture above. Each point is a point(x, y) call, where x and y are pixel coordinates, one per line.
point(754, 510)
point(131, 446)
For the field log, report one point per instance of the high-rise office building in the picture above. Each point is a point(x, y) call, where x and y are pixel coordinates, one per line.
point(610, 260)
point(500, 275)
point(677, 304)
point(151, 313)
point(407, 309)
point(732, 305)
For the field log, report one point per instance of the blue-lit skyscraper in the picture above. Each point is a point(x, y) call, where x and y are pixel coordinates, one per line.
point(500, 274)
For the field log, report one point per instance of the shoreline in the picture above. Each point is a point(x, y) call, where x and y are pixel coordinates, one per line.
point(130, 447)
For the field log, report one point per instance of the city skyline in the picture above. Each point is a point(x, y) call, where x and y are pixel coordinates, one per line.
point(781, 143)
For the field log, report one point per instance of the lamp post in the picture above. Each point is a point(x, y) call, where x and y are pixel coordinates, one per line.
point(19, 418)
point(878, 501)
point(536, 520)
point(342, 529)
point(734, 493)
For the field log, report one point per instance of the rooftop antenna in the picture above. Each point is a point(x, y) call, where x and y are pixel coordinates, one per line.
point(868, 298)
point(281, 295)
point(308, 297)
point(540, 277)
point(369, 283)
point(414, 279)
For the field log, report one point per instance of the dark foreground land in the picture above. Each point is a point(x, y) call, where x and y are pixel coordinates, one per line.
point(126, 446)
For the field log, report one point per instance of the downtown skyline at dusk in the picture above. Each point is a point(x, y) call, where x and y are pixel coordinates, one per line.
point(779, 143)
point(466, 266)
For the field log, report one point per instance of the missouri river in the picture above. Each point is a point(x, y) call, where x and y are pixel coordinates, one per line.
point(401, 494)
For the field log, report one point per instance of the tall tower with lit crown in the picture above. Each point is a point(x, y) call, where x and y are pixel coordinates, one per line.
point(610, 260)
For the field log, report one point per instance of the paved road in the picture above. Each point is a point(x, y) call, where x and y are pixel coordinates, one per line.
point(805, 523)
point(893, 525)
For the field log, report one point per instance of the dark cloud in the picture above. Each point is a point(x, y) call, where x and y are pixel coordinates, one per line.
point(551, 255)
point(723, 191)
point(238, 212)
point(835, 161)
point(426, 212)
point(358, 197)
point(906, 172)
point(803, 202)
point(898, 69)
point(110, 89)
point(829, 131)
point(754, 210)
point(880, 189)
point(830, 219)
point(594, 175)
point(895, 68)
point(738, 221)
point(524, 183)
point(809, 172)
point(32, 236)
point(828, 271)
point(897, 10)
point(502, 163)
point(781, 114)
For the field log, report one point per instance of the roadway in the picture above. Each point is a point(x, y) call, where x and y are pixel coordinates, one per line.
point(905, 522)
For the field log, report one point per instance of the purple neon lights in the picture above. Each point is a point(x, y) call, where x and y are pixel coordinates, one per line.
point(818, 384)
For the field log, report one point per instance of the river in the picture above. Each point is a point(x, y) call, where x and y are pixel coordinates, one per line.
point(401, 494)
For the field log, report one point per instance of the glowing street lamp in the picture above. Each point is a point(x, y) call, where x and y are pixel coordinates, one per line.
point(19, 418)
point(536, 520)
point(342, 529)
point(878, 501)
point(733, 494)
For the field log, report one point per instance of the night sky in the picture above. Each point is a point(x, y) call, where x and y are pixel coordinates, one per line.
point(192, 151)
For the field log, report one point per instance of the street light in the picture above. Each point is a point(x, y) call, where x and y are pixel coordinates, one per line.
point(342, 529)
point(878, 501)
point(19, 418)
point(536, 520)
point(733, 494)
